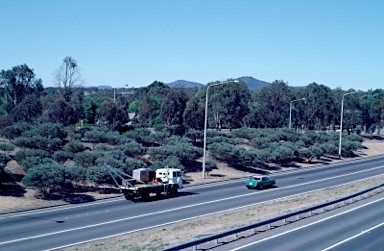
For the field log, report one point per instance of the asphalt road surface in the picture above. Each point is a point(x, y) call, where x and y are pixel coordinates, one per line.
point(62, 226)
point(357, 229)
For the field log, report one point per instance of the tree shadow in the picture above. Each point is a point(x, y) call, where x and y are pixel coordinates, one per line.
point(376, 137)
point(12, 190)
point(78, 198)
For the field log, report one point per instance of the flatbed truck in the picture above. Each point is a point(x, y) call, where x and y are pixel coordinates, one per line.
point(164, 182)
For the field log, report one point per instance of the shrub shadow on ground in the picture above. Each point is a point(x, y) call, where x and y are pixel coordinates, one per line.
point(13, 190)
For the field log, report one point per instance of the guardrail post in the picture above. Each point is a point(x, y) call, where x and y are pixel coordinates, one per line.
point(343, 203)
point(216, 241)
point(297, 216)
point(195, 248)
point(269, 225)
point(235, 235)
point(284, 220)
point(310, 213)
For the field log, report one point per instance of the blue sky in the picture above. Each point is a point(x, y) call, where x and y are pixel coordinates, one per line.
point(135, 42)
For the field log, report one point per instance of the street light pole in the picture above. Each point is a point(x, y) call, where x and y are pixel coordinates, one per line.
point(290, 111)
point(341, 120)
point(205, 119)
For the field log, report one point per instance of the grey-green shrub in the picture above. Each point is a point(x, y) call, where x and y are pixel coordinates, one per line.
point(48, 178)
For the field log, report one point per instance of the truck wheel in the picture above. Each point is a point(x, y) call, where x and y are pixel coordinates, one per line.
point(128, 197)
point(145, 196)
point(174, 192)
point(261, 187)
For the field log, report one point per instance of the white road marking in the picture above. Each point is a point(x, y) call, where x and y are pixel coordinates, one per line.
point(353, 237)
point(313, 223)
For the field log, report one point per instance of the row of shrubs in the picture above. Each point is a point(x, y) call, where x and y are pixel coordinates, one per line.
point(48, 147)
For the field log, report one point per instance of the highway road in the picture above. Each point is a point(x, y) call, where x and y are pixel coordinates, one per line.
point(57, 227)
point(359, 229)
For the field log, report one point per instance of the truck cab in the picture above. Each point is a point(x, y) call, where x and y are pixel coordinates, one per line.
point(170, 176)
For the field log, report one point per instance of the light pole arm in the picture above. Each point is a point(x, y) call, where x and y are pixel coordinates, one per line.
point(205, 120)
point(290, 111)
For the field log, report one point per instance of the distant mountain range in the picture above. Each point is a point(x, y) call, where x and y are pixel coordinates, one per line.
point(252, 83)
point(184, 84)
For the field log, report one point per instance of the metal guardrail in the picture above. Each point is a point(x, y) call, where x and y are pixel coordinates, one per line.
point(268, 222)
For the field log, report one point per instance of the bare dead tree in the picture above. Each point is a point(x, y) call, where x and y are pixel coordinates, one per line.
point(67, 76)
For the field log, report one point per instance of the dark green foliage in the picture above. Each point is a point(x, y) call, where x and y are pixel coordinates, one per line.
point(7, 147)
point(300, 143)
point(79, 175)
point(355, 137)
point(73, 147)
point(28, 110)
point(74, 136)
point(347, 147)
point(48, 178)
point(233, 155)
point(95, 137)
point(47, 130)
point(173, 162)
point(61, 156)
point(210, 165)
point(172, 108)
point(306, 140)
point(273, 105)
point(330, 148)
point(131, 164)
point(112, 115)
point(174, 140)
point(214, 133)
point(4, 158)
point(156, 165)
point(158, 137)
point(261, 142)
point(58, 110)
point(284, 153)
point(289, 135)
point(103, 147)
point(16, 84)
point(184, 151)
point(31, 162)
point(221, 139)
point(23, 154)
point(177, 130)
point(266, 155)
point(138, 134)
point(315, 151)
point(39, 142)
point(312, 135)
point(15, 130)
point(304, 153)
point(98, 175)
point(84, 129)
point(131, 149)
point(195, 135)
point(86, 159)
